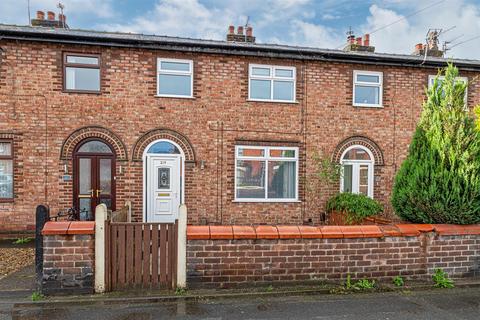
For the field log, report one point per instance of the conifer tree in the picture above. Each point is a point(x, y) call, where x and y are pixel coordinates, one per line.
point(439, 182)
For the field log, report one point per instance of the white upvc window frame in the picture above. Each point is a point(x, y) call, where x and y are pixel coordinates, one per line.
point(267, 158)
point(272, 78)
point(431, 78)
point(368, 84)
point(174, 72)
point(356, 170)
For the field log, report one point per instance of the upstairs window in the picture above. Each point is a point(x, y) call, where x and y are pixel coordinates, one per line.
point(431, 80)
point(6, 170)
point(266, 174)
point(82, 73)
point(367, 89)
point(175, 78)
point(271, 83)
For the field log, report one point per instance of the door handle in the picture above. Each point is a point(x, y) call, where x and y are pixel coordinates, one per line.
point(98, 192)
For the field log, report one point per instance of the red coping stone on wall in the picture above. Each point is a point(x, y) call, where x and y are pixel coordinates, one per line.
point(408, 230)
point(198, 232)
point(309, 232)
point(371, 231)
point(244, 232)
point(390, 231)
point(351, 231)
point(472, 229)
point(266, 232)
point(449, 229)
point(221, 232)
point(424, 227)
point(288, 232)
point(331, 232)
point(81, 227)
point(55, 227)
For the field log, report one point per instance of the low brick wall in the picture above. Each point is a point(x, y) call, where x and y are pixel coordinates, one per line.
point(237, 255)
point(69, 258)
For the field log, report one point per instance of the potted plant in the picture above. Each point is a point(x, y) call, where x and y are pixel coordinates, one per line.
point(349, 208)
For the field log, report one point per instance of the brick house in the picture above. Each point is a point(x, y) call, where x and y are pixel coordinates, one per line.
point(230, 128)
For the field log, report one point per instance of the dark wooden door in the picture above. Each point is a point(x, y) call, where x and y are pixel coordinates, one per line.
point(94, 181)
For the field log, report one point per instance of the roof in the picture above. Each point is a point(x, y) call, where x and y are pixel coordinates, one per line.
point(132, 40)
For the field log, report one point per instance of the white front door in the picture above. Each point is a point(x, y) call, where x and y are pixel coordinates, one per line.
point(163, 188)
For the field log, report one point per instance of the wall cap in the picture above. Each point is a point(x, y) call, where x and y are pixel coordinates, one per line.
point(333, 232)
point(68, 227)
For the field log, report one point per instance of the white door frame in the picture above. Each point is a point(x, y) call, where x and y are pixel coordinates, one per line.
point(145, 161)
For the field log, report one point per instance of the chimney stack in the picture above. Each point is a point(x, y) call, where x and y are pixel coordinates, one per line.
point(431, 48)
point(366, 40)
point(40, 15)
point(358, 44)
point(240, 36)
point(249, 31)
point(51, 15)
point(50, 22)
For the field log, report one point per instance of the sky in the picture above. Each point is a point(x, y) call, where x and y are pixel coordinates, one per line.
point(310, 23)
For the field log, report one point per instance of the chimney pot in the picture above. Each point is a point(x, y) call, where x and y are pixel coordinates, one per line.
point(419, 46)
point(51, 15)
point(249, 32)
point(40, 15)
point(240, 30)
point(231, 29)
point(366, 40)
point(359, 41)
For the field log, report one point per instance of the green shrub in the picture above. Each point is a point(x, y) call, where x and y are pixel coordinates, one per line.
point(364, 284)
point(37, 296)
point(441, 279)
point(439, 182)
point(398, 281)
point(22, 240)
point(355, 206)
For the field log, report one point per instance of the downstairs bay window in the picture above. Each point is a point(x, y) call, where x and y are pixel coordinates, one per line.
point(266, 174)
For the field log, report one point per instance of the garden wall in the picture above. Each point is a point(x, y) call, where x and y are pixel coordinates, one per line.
point(69, 257)
point(226, 256)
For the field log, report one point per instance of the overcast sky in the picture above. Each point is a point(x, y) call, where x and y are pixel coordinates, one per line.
point(294, 22)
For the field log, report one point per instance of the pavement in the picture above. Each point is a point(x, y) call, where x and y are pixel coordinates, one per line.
point(439, 304)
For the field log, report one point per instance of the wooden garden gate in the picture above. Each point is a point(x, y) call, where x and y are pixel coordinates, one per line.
point(140, 255)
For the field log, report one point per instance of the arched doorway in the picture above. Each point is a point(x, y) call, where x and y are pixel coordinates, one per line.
point(163, 177)
point(94, 177)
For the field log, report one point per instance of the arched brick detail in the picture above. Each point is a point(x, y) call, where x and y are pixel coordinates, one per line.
point(359, 140)
point(93, 132)
point(157, 134)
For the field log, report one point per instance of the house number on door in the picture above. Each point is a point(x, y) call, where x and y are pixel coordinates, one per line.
point(163, 178)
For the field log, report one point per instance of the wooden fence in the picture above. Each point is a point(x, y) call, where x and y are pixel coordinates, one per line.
point(140, 255)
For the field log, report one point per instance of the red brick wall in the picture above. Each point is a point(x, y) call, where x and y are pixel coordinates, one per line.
point(68, 264)
point(225, 263)
point(41, 117)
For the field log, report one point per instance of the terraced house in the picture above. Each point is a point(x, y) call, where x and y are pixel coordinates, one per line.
point(230, 128)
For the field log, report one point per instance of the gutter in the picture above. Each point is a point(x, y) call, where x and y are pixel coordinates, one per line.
point(232, 49)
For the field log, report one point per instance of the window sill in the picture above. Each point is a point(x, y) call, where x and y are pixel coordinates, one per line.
point(368, 106)
point(7, 201)
point(265, 201)
point(273, 101)
point(82, 92)
point(174, 97)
